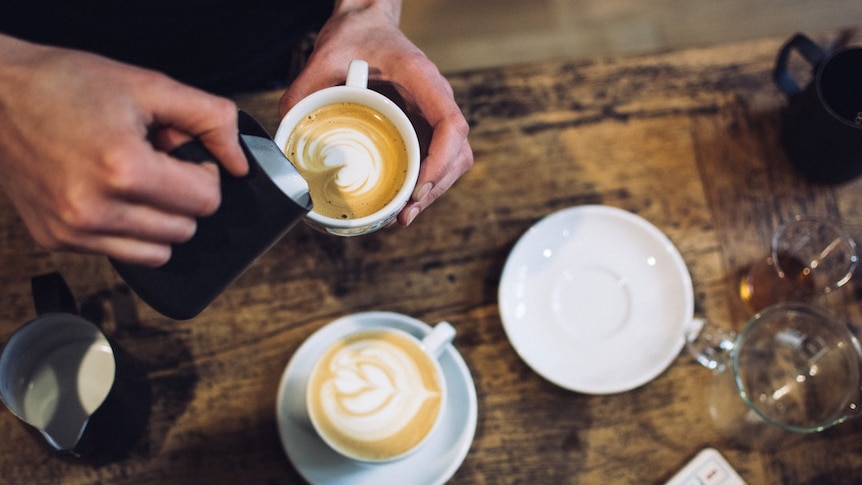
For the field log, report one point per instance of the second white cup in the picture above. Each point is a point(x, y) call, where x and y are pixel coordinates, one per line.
point(378, 394)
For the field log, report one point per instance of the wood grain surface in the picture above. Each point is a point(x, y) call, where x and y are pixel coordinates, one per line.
point(688, 140)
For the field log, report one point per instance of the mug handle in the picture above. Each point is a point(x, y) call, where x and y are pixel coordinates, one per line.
point(51, 294)
point(809, 50)
point(357, 74)
point(195, 151)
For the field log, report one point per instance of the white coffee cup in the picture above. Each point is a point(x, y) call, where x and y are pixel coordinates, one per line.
point(352, 159)
point(378, 393)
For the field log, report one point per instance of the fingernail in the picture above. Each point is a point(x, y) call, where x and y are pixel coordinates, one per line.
point(422, 192)
point(411, 214)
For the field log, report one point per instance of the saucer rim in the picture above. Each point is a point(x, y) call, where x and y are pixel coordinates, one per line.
point(559, 218)
point(462, 443)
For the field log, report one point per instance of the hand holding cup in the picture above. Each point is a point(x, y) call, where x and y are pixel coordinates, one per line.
point(357, 150)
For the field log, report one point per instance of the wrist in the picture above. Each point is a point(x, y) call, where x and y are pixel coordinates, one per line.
point(389, 8)
point(18, 59)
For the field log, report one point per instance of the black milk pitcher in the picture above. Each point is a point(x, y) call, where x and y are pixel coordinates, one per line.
point(64, 378)
point(822, 125)
point(256, 211)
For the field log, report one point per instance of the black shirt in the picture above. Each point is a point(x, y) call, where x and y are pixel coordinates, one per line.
point(223, 46)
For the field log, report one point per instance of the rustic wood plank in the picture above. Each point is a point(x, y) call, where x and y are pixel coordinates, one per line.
point(687, 140)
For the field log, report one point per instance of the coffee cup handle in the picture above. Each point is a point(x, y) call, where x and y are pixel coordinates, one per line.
point(51, 294)
point(438, 339)
point(810, 51)
point(357, 74)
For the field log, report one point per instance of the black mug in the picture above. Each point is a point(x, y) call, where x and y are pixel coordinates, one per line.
point(822, 125)
point(256, 211)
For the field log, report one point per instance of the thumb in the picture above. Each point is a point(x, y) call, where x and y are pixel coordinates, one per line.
point(313, 78)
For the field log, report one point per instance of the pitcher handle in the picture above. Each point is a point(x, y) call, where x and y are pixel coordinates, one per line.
point(195, 151)
point(710, 344)
point(810, 51)
point(51, 294)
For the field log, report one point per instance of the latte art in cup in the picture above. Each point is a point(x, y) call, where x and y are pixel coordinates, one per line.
point(375, 395)
point(357, 150)
point(353, 158)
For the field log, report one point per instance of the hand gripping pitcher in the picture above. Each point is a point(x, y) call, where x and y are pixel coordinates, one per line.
point(256, 211)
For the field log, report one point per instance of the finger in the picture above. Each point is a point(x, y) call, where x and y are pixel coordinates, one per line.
point(133, 251)
point(449, 157)
point(298, 89)
point(167, 139)
point(429, 191)
point(172, 186)
point(318, 74)
point(120, 245)
point(134, 233)
point(212, 119)
point(145, 223)
point(449, 154)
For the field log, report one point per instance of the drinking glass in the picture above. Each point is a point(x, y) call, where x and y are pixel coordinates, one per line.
point(792, 369)
point(808, 257)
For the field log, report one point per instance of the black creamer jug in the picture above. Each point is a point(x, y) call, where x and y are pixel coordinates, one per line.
point(256, 211)
point(71, 383)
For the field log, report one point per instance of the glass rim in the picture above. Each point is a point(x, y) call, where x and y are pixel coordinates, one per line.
point(799, 307)
point(839, 232)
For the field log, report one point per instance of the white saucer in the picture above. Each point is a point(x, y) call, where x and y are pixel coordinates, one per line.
point(434, 463)
point(595, 299)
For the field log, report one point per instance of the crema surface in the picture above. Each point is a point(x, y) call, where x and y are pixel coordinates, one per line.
point(353, 158)
point(375, 395)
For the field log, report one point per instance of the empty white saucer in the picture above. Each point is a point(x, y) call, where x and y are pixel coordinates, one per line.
point(434, 463)
point(595, 299)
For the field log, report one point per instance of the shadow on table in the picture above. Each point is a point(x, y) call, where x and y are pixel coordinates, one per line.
point(160, 357)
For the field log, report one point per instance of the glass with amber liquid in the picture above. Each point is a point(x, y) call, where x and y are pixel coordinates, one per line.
point(808, 257)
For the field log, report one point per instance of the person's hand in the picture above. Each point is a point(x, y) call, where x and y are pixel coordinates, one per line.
point(82, 152)
point(370, 32)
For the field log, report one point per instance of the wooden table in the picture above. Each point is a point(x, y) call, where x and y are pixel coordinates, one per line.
point(688, 140)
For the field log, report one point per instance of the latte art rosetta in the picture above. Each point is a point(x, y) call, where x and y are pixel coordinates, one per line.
point(352, 157)
point(373, 397)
